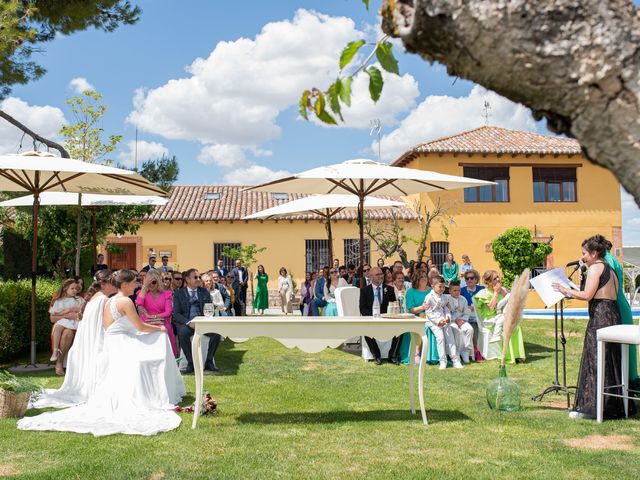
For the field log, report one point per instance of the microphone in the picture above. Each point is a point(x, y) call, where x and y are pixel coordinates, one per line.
point(575, 263)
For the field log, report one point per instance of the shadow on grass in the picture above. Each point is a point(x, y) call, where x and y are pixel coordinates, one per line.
point(537, 352)
point(229, 357)
point(343, 416)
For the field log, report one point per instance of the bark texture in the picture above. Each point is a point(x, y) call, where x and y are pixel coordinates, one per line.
point(573, 62)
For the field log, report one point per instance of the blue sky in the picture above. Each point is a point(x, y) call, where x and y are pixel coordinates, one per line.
point(231, 117)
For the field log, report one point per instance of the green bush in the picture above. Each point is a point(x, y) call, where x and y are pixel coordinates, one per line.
point(15, 315)
point(514, 251)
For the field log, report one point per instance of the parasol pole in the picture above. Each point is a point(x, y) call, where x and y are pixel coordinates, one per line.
point(329, 236)
point(94, 241)
point(361, 196)
point(34, 266)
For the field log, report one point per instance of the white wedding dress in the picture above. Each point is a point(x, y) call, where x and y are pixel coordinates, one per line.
point(136, 395)
point(85, 362)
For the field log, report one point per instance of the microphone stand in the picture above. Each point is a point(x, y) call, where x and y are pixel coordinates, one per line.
point(556, 386)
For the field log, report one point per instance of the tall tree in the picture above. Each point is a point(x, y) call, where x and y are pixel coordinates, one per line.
point(163, 171)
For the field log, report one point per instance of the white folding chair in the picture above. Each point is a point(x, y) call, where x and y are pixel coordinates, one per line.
point(625, 335)
point(489, 351)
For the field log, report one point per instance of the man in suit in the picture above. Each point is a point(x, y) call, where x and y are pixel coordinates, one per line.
point(385, 294)
point(318, 301)
point(221, 269)
point(188, 302)
point(165, 265)
point(239, 285)
point(151, 265)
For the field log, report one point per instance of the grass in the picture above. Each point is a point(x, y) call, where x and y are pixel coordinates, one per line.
point(287, 414)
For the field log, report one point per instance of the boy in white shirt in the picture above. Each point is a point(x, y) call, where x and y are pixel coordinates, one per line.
point(438, 319)
point(460, 326)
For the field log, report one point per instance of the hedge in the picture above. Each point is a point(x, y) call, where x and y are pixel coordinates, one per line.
point(15, 315)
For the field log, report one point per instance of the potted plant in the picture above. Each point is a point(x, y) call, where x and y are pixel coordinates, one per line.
point(14, 394)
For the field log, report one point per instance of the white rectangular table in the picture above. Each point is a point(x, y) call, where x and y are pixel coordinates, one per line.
point(311, 335)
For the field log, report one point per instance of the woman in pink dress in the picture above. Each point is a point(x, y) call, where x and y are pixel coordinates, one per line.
point(155, 305)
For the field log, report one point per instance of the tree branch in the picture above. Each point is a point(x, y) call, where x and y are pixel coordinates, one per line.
point(576, 64)
point(35, 136)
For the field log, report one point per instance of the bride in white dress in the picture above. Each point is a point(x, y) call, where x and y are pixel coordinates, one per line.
point(85, 364)
point(141, 382)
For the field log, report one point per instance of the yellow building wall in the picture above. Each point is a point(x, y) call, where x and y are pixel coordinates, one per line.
point(597, 210)
point(191, 243)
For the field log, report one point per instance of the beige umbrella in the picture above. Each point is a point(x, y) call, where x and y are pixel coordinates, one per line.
point(364, 177)
point(38, 172)
point(325, 206)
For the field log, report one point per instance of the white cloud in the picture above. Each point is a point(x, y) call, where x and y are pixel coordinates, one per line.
point(146, 151)
point(253, 175)
point(634, 222)
point(80, 85)
point(45, 120)
point(438, 116)
point(226, 156)
point(235, 94)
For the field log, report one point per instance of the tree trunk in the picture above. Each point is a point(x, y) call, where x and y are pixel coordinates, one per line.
point(574, 63)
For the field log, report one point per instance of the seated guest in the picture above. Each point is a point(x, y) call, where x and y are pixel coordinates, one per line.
point(188, 303)
point(224, 303)
point(330, 286)
point(350, 276)
point(342, 270)
point(155, 305)
point(166, 281)
point(491, 304)
point(472, 277)
point(151, 265)
point(380, 263)
point(227, 281)
point(177, 280)
point(415, 300)
point(385, 295)
point(388, 276)
point(319, 301)
point(64, 315)
point(462, 330)
point(438, 319)
point(165, 265)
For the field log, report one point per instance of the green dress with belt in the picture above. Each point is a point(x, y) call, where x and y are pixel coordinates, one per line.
point(261, 300)
point(516, 343)
point(450, 272)
point(414, 299)
point(626, 316)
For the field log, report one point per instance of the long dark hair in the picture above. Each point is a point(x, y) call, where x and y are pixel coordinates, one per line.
point(597, 244)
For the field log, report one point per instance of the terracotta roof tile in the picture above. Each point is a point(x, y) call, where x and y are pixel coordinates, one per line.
point(188, 203)
point(490, 139)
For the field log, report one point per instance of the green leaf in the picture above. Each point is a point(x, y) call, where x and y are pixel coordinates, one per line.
point(334, 98)
point(375, 83)
point(345, 91)
point(326, 118)
point(366, 3)
point(349, 52)
point(304, 104)
point(384, 52)
point(320, 103)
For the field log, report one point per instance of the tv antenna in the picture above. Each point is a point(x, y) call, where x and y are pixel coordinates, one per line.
point(486, 114)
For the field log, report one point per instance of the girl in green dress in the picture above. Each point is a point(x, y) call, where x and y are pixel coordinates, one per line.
point(450, 270)
point(487, 301)
point(261, 300)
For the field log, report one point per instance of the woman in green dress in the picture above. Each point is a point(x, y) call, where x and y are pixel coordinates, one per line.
point(626, 318)
point(450, 270)
point(414, 300)
point(487, 301)
point(261, 300)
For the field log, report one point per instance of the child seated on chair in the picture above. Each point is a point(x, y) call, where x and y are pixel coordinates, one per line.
point(438, 320)
point(460, 326)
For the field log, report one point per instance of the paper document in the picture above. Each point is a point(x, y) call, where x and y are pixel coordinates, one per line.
point(543, 285)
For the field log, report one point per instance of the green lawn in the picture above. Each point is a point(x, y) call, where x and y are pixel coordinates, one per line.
point(286, 414)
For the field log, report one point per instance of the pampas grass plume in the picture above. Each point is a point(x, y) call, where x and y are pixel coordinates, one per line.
point(515, 308)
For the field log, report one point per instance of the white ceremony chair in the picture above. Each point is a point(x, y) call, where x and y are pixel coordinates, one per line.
point(625, 335)
point(348, 303)
point(490, 351)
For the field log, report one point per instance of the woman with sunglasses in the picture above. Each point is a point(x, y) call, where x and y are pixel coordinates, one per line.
point(155, 305)
point(334, 281)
